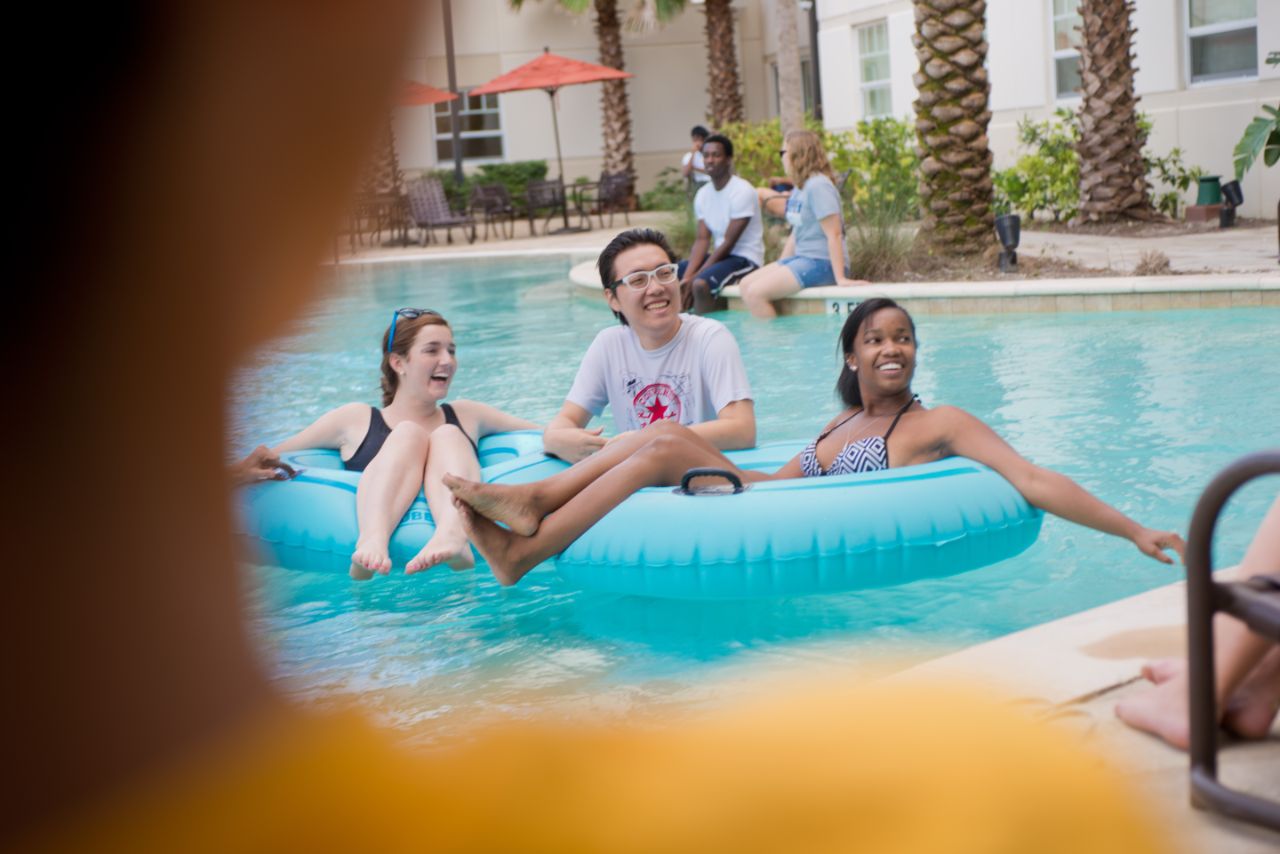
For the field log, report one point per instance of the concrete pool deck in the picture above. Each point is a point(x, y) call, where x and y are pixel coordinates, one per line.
point(1218, 269)
point(1072, 672)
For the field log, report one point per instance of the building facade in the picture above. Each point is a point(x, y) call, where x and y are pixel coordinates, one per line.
point(1200, 64)
point(668, 94)
point(1201, 76)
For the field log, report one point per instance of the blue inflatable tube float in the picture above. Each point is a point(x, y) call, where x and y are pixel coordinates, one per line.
point(309, 522)
point(795, 537)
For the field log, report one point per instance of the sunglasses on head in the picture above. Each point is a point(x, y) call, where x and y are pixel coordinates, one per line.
point(407, 314)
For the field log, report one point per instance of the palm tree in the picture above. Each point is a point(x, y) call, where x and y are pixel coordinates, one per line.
point(951, 124)
point(722, 65)
point(1113, 175)
point(790, 89)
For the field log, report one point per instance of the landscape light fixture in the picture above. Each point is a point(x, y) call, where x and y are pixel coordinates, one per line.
point(1232, 198)
point(1009, 231)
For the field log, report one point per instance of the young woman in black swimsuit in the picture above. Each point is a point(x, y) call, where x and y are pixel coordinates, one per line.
point(404, 448)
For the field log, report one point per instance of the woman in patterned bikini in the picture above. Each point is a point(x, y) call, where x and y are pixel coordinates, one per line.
point(879, 345)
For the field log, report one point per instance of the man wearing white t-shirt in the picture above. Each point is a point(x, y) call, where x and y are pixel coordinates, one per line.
point(658, 365)
point(730, 241)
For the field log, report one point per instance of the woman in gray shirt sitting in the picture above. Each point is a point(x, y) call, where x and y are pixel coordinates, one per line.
point(814, 253)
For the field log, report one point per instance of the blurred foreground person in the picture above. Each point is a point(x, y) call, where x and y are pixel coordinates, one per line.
point(197, 179)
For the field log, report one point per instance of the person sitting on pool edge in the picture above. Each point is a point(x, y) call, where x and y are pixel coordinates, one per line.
point(402, 448)
point(730, 241)
point(879, 346)
point(658, 365)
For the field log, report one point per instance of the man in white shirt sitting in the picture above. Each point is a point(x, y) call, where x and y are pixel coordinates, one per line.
point(658, 365)
point(730, 241)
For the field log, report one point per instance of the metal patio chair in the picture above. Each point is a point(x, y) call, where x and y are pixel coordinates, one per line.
point(429, 210)
point(493, 201)
point(1256, 602)
point(612, 193)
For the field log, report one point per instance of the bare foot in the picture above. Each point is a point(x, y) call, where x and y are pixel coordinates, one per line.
point(370, 557)
point(444, 547)
point(1161, 711)
point(495, 544)
point(506, 504)
point(1163, 669)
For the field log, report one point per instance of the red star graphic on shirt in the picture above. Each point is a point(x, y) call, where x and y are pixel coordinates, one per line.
point(657, 410)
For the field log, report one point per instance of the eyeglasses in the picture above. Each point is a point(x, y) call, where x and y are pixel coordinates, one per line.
point(407, 314)
point(666, 274)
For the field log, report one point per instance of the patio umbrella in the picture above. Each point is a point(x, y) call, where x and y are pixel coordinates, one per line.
point(415, 94)
point(549, 72)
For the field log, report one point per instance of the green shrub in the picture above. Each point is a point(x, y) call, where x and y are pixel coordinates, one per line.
point(1047, 178)
point(879, 246)
point(879, 154)
point(668, 194)
point(681, 230)
point(514, 176)
point(885, 182)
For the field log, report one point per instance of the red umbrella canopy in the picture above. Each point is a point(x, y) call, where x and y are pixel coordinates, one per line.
point(415, 94)
point(549, 71)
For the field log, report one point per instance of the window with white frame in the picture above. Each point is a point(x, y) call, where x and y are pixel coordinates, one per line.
point(873, 57)
point(1222, 39)
point(479, 129)
point(1066, 48)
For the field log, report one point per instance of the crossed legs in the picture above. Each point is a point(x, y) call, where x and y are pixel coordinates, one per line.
point(544, 517)
point(1246, 668)
point(760, 289)
point(412, 460)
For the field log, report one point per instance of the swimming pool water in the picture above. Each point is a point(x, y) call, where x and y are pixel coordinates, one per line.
point(1142, 408)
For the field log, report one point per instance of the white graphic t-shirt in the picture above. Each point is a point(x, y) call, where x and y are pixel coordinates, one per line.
point(690, 378)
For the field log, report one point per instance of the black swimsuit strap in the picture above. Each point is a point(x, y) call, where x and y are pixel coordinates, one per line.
point(901, 412)
point(451, 417)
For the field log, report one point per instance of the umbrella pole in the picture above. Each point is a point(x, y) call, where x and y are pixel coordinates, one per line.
point(555, 124)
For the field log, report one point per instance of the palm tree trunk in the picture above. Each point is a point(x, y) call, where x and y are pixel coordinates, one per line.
point(951, 124)
point(722, 65)
point(1113, 174)
point(790, 87)
point(618, 154)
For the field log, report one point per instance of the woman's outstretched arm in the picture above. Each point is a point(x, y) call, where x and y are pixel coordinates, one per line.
point(1056, 493)
point(490, 419)
point(331, 430)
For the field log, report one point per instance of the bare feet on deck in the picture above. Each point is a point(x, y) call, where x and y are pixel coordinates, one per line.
point(509, 505)
point(494, 543)
point(1163, 669)
point(1161, 711)
point(368, 558)
point(451, 549)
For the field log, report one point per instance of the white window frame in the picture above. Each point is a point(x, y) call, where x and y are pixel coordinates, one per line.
point(442, 110)
point(886, 84)
point(1213, 30)
point(1066, 53)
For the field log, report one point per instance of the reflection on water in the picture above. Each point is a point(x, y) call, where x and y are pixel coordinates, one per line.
point(1141, 408)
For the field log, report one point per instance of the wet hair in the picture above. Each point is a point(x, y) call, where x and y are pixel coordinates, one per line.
point(621, 243)
point(847, 385)
point(406, 330)
point(724, 143)
point(700, 132)
point(804, 148)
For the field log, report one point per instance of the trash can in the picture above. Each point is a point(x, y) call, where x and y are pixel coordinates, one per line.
point(1210, 190)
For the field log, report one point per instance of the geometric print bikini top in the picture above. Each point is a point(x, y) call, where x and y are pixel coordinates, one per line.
point(870, 453)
